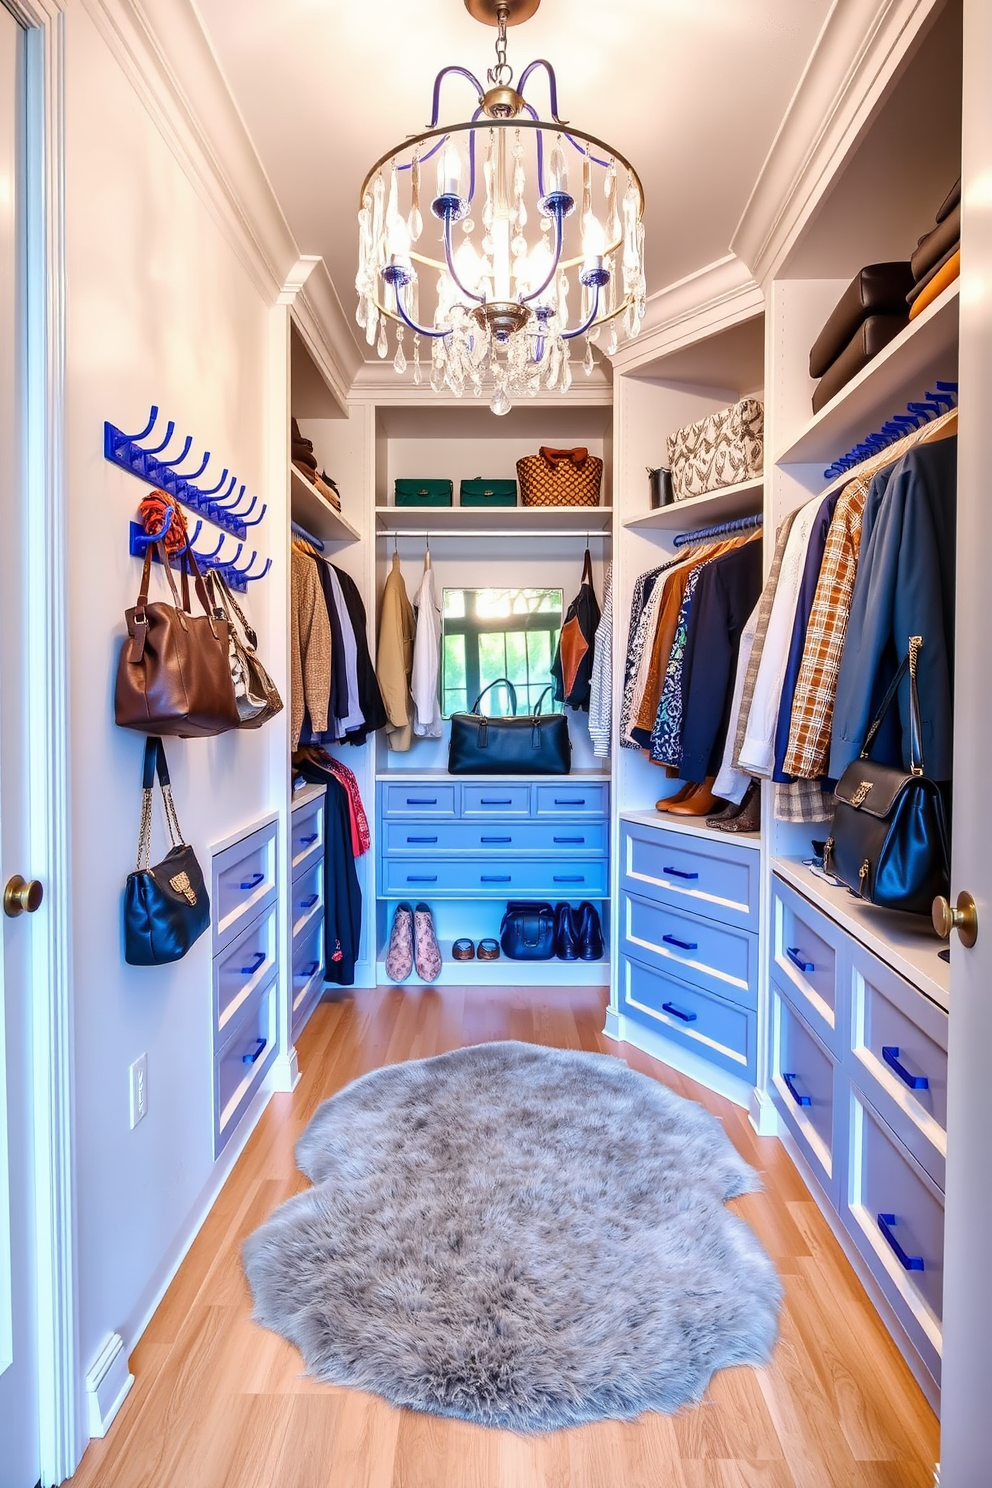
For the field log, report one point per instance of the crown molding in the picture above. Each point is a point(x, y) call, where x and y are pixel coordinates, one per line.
point(376, 382)
point(321, 322)
point(719, 295)
point(859, 50)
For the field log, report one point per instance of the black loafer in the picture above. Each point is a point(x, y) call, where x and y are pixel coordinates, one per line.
point(566, 933)
point(590, 932)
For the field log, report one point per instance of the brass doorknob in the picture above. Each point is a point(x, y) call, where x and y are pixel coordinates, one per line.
point(963, 919)
point(22, 897)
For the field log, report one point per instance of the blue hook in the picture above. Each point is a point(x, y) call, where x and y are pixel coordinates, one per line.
point(171, 464)
point(156, 449)
point(195, 474)
point(188, 544)
point(150, 537)
point(207, 557)
point(212, 491)
point(224, 503)
point(255, 520)
point(251, 578)
point(248, 565)
point(248, 510)
point(148, 427)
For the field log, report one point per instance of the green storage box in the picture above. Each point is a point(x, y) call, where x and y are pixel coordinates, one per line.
point(488, 493)
point(423, 493)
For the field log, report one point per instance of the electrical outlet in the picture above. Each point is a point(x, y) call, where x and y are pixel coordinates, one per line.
point(139, 1089)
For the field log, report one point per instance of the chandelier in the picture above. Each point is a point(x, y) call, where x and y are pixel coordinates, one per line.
point(539, 239)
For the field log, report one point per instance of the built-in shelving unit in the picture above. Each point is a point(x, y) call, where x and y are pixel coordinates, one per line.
point(927, 349)
point(725, 505)
point(314, 512)
point(690, 827)
point(528, 521)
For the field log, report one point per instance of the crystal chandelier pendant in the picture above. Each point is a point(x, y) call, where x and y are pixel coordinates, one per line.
point(558, 255)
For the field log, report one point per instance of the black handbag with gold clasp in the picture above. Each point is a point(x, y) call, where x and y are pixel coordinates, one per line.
point(888, 841)
point(166, 907)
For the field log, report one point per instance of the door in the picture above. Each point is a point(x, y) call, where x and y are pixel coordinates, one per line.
point(966, 1443)
point(19, 1414)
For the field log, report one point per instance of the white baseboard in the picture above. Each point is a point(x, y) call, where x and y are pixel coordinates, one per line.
point(108, 1380)
point(764, 1117)
point(284, 1076)
point(612, 1027)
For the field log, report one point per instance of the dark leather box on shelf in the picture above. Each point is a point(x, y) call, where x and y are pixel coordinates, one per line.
point(878, 289)
point(868, 340)
point(937, 244)
point(487, 493)
point(950, 201)
point(423, 493)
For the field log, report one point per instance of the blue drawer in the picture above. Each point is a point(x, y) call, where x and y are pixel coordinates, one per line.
point(885, 1180)
point(806, 963)
point(718, 879)
point(720, 1032)
point(578, 798)
point(419, 799)
point(486, 878)
point(495, 800)
point(804, 1082)
point(720, 958)
point(557, 839)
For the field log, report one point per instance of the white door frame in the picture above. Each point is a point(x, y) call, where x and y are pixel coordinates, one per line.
point(46, 590)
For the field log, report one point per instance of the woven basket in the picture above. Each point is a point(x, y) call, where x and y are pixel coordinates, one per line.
point(560, 478)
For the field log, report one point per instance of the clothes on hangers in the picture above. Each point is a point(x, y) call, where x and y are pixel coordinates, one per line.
point(571, 670)
point(644, 587)
point(310, 647)
point(361, 839)
point(427, 722)
point(342, 891)
point(370, 704)
point(394, 658)
point(601, 686)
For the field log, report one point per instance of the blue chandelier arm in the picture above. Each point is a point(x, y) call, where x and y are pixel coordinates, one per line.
point(449, 260)
point(581, 330)
point(463, 72)
point(552, 85)
point(582, 151)
point(433, 151)
point(418, 330)
point(558, 212)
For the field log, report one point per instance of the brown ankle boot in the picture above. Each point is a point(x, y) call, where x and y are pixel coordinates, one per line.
point(700, 802)
point(667, 802)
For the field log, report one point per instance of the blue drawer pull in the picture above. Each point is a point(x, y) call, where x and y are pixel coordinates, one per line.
point(421, 878)
point(421, 839)
point(308, 971)
point(575, 841)
point(259, 961)
point(908, 1262)
point(254, 881)
point(310, 902)
point(254, 1057)
point(308, 841)
point(496, 878)
point(421, 800)
point(570, 878)
point(800, 1100)
point(795, 957)
point(683, 945)
point(496, 801)
point(890, 1053)
point(495, 839)
point(677, 873)
point(569, 801)
point(677, 1012)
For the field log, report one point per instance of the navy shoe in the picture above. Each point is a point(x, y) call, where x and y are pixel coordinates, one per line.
point(566, 933)
point(590, 932)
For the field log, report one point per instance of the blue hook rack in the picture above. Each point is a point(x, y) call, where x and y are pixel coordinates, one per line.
point(238, 579)
point(941, 400)
point(131, 454)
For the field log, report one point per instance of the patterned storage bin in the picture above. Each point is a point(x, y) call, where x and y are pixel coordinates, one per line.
point(722, 450)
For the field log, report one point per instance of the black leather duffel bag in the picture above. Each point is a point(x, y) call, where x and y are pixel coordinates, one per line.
point(537, 744)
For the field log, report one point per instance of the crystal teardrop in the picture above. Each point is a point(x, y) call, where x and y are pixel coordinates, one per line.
point(399, 360)
point(382, 345)
point(418, 375)
point(588, 364)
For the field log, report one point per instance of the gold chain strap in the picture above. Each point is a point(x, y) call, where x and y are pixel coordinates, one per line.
point(145, 832)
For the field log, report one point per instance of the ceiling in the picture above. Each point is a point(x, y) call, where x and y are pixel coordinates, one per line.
point(692, 91)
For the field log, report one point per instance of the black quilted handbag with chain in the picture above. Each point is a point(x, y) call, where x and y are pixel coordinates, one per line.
point(166, 907)
point(888, 841)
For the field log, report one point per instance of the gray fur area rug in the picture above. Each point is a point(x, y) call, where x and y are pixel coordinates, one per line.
point(520, 1237)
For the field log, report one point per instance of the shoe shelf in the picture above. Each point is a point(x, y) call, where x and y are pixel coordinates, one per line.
point(925, 350)
point(743, 500)
point(314, 512)
point(691, 826)
point(505, 973)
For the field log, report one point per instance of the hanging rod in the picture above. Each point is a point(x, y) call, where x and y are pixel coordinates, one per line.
point(315, 542)
point(941, 400)
point(739, 524)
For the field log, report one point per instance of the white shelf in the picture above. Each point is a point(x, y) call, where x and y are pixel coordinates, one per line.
point(904, 942)
point(925, 350)
point(404, 777)
point(692, 826)
point(527, 521)
point(316, 514)
point(507, 973)
point(743, 500)
point(311, 791)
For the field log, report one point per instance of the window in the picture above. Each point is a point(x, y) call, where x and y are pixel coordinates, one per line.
point(493, 633)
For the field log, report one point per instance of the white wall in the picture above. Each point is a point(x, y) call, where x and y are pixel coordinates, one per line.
point(159, 311)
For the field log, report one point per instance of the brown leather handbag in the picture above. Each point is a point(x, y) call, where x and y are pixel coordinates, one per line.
point(560, 477)
point(174, 672)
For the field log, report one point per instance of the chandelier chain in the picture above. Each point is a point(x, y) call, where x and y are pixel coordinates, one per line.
point(501, 76)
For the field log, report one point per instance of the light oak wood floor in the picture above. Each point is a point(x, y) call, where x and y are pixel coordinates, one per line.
point(220, 1403)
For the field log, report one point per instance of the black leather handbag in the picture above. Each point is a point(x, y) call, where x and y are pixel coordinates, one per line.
point(528, 931)
point(534, 745)
point(166, 907)
point(888, 841)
